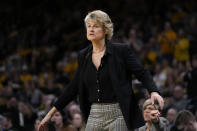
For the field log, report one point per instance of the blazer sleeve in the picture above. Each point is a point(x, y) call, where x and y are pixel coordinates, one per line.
point(70, 92)
point(135, 66)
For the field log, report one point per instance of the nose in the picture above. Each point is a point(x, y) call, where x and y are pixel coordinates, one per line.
point(90, 28)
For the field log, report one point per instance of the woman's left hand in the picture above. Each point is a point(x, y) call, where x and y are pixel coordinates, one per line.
point(156, 97)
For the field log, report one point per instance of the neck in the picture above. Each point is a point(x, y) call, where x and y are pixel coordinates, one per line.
point(98, 46)
point(58, 127)
point(149, 124)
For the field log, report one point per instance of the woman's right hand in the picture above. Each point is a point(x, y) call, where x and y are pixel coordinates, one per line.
point(42, 126)
point(43, 123)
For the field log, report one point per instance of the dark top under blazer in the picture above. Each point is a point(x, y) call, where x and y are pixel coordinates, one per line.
point(97, 81)
point(122, 64)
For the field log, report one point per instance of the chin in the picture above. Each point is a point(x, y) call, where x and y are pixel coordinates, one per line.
point(91, 39)
point(146, 119)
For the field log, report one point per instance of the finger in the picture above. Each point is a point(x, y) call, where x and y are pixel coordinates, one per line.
point(159, 114)
point(152, 99)
point(161, 103)
point(156, 115)
point(154, 111)
point(41, 128)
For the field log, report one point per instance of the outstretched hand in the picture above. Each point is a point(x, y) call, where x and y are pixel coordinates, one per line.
point(42, 126)
point(156, 97)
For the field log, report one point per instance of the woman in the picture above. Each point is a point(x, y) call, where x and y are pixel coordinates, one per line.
point(61, 122)
point(152, 118)
point(103, 81)
point(37, 123)
point(77, 121)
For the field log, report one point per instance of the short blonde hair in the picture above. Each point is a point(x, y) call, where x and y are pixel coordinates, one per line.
point(102, 18)
point(149, 102)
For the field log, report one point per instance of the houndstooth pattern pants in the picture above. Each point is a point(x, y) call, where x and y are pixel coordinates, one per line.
point(106, 117)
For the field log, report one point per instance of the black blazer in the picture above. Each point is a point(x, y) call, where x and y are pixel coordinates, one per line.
point(122, 64)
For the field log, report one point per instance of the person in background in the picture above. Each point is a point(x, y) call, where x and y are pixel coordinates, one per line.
point(2, 128)
point(61, 122)
point(167, 40)
point(181, 48)
point(152, 118)
point(78, 121)
point(185, 121)
point(191, 79)
point(171, 116)
point(36, 123)
point(8, 123)
point(51, 126)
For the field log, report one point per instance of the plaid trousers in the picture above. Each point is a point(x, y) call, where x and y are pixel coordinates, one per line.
point(106, 117)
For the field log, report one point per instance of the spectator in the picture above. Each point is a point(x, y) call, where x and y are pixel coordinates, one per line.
point(34, 95)
point(78, 121)
point(171, 116)
point(11, 109)
point(191, 80)
point(8, 123)
point(167, 41)
point(135, 42)
point(159, 77)
point(2, 128)
point(178, 101)
point(26, 116)
point(151, 116)
point(61, 122)
point(185, 121)
point(36, 124)
point(153, 51)
point(51, 126)
point(181, 48)
point(191, 33)
point(73, 108)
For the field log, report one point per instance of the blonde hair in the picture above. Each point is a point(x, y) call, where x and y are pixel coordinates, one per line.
point(102, 18)
point(149, 102)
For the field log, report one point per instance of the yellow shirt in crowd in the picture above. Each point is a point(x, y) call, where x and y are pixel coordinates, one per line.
point(181, 52)
point(166, 41)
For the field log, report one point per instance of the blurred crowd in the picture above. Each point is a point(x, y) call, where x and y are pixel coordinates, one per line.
point(39, 41)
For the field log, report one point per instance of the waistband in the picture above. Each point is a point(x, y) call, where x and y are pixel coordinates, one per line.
point(111, 103)
point(105, 106)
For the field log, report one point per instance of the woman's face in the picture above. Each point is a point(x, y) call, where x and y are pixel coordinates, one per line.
point(95, 31)
point(147, 112)
point(36, 124)
point(57, 118)
point(77, 120)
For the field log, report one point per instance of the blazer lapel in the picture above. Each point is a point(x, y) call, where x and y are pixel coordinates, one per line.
point(112, 67)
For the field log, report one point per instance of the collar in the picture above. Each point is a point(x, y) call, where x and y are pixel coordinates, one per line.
point(107, 51)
